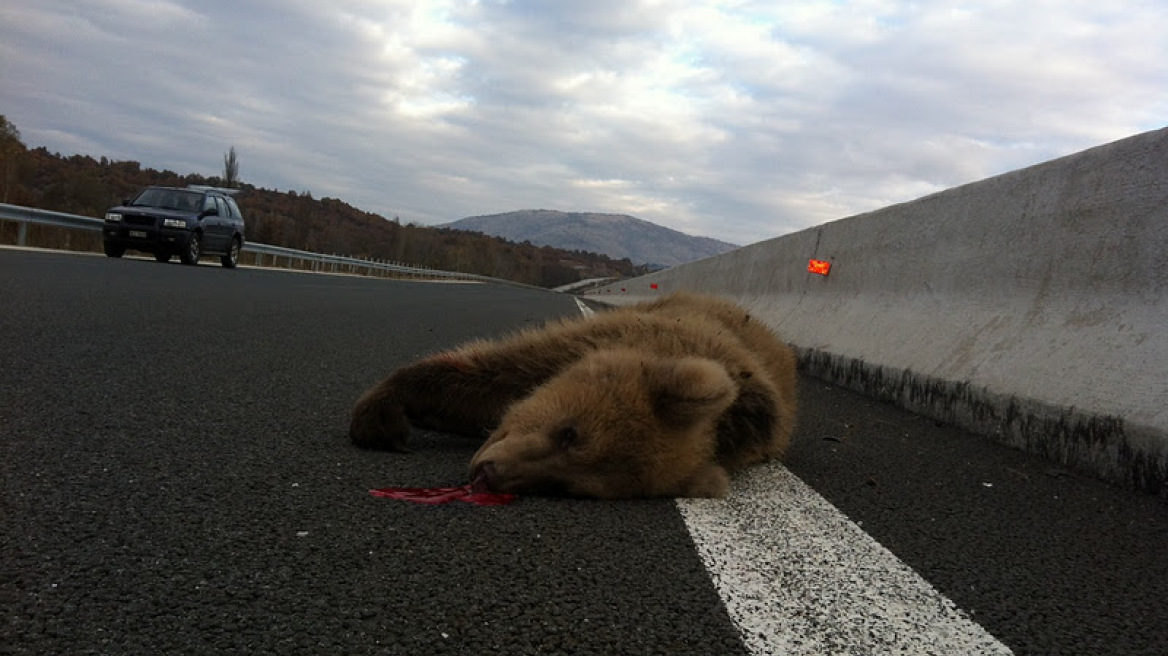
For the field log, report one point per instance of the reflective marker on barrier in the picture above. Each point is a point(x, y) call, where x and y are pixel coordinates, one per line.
point(820, 267)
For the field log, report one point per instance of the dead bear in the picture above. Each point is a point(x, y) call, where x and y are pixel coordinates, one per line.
point(659, 399)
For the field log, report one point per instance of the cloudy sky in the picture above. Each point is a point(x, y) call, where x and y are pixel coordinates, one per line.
point(732, 119)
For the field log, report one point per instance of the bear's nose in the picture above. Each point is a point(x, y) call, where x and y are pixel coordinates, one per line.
point(485, 477)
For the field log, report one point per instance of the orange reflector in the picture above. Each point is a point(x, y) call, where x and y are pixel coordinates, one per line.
point(820, 267)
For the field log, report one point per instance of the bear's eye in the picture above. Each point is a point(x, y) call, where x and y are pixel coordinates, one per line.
point(566, 437)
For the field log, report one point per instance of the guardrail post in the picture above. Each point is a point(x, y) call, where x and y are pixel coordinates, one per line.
point(22, 234)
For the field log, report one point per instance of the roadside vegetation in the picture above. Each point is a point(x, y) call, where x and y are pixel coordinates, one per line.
point(81, 184)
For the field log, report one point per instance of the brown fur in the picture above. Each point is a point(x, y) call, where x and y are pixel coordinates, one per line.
point(657, 399)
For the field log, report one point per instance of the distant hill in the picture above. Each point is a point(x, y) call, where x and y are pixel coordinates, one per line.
point(616, 235)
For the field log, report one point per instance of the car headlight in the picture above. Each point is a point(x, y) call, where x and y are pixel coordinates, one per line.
point(174, 223)
point(113, 216)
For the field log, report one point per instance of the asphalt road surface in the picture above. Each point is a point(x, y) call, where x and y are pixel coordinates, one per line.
point(176, 480)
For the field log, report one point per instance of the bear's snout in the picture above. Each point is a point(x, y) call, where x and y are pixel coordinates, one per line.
point(485, 477)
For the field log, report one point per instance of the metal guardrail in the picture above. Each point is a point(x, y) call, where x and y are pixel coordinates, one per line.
point(318, 261)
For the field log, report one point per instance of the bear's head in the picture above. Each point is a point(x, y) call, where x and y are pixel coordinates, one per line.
point(616, 424)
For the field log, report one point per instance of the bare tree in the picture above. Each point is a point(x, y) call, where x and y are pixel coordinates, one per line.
point(230, 169)
point(10, 151)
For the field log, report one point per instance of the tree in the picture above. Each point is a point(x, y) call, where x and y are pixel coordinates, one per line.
point(230, 169)
point(11, 148)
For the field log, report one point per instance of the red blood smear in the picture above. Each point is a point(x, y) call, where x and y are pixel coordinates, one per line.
point(436, 495)
point(489, 498)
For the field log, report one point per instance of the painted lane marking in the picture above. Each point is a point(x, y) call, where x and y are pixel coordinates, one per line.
point(798, 577)
point(584, 309)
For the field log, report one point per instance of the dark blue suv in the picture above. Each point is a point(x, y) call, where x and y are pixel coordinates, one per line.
point(169, 221)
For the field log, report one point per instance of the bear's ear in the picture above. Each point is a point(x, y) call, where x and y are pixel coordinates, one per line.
point(686, 391)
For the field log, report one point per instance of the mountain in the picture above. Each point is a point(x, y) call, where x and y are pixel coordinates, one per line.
point(615, 235)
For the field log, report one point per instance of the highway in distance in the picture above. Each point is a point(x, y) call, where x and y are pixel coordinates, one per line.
point(177, 480)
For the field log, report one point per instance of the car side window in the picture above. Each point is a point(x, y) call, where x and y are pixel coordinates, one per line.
point(208, 203)
point(222, 207)
point(235, 213)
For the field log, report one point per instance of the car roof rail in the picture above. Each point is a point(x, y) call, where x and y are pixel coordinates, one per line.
point(222, 190)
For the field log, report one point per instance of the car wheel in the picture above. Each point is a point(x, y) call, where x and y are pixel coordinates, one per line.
point(162, 257)
point(190, 255)
point(113, 250)
point(232, 257)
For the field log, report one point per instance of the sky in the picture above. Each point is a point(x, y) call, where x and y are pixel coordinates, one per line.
point(737, 120)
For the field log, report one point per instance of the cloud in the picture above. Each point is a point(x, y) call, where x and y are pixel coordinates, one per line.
point(738, 120)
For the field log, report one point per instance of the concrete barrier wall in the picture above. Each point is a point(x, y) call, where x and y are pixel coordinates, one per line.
point(1032, 306)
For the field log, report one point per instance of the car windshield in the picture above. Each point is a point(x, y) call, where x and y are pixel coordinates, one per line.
point(171, 199)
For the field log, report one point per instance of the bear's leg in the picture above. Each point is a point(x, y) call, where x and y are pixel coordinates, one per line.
point(755, 427)
point(464, 391)
point(709, 482)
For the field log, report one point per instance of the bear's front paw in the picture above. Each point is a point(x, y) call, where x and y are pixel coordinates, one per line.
point(709, 482)
point(378, 422)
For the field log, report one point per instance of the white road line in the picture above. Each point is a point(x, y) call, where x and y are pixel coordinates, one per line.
point(798, 577)
point(584, 309)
